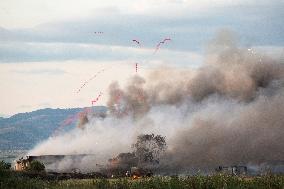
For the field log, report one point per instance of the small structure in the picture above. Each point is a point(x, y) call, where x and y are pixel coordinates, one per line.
point(137, 172)
point(233, 170)
point(23, 163)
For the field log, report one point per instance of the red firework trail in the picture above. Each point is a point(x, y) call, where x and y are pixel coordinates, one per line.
point(73, 118)
point(87, 81)
point(96, 99)
point(118, 97)
point(160, 43)
point(136, 41)
point(136, 66)
point(70, 119)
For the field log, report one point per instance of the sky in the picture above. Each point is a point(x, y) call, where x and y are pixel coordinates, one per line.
point(49, 48)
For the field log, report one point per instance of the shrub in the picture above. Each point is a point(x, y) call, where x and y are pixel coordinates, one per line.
point(4, 165)
point(36, 166)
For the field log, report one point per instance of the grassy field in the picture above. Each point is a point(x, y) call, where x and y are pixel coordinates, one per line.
point(10, 180)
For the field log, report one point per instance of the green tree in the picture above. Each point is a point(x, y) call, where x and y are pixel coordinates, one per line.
point(36, 166)
point(149, 148)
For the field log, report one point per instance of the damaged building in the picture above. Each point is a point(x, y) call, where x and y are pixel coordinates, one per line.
point(48, 160)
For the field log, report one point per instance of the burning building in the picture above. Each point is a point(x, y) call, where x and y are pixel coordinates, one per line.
point(51, 162)
point(22, 164)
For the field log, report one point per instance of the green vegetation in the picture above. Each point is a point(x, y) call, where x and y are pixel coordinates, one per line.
point(16, 180)
point(36, 166)
point(4, 165)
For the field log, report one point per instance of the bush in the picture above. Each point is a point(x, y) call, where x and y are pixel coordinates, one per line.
point(36, 166)
point(4, 165)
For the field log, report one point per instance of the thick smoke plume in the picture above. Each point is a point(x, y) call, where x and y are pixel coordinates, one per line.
point(228, 111)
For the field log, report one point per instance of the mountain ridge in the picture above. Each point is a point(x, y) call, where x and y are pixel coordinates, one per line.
point(22, 131)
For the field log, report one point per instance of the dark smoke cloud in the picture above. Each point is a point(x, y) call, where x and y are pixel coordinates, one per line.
point(246, 90)
point(247, 134)
point(238, 79)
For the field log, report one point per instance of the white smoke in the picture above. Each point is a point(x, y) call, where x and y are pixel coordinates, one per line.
point(229, 111)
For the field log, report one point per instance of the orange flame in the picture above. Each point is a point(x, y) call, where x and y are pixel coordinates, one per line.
point(136, 177)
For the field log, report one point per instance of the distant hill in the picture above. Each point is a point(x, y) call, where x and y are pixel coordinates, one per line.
point(24, 130)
